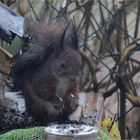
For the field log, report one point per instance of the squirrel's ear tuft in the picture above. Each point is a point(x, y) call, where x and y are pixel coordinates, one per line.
point(61, 47)
point(63, 37)
point(71, 38)
point(74, 37)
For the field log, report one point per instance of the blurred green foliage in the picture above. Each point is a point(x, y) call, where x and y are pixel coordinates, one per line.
point(14, 47)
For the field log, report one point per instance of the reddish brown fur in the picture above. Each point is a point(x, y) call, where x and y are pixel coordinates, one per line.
point(49, 72)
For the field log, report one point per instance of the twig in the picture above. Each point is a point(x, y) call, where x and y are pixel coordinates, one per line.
point(134, 60)
point(126, 38)
point(110, 92)
point(91, 68)
point(128, 132)
point(33, 10)
point(118, 23)
point(134, 100)
point(122, 115)
point(122, 108)
point(137, 21)
point(52, 5)
point(112, 122)
point(103, 22)
point(79, 6)
point(126, 53)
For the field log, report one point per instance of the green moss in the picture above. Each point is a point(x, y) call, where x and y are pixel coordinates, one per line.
point(36, 133)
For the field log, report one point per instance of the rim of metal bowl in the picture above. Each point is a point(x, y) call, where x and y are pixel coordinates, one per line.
point(93, 131)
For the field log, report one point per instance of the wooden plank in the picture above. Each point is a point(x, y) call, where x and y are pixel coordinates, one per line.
point(5, 61)
point(11, 23)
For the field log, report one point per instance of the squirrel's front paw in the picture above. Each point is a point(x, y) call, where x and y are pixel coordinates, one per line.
point(73, 101)
point(58, 104)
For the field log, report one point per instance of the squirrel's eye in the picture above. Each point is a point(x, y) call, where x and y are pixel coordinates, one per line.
point(62, 65)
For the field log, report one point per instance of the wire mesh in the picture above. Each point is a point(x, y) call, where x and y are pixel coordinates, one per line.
point(110, 41)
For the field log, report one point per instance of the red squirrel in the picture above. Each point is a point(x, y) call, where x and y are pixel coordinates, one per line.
point(49, 71)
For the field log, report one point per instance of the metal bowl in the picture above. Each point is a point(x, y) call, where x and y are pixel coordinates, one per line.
point(71, 132)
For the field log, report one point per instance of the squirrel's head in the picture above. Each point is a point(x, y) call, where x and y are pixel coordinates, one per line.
point(67, 64)
point(67, 67)
point(56, 44)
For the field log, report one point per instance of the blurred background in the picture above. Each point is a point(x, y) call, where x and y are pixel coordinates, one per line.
point(109, 45)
